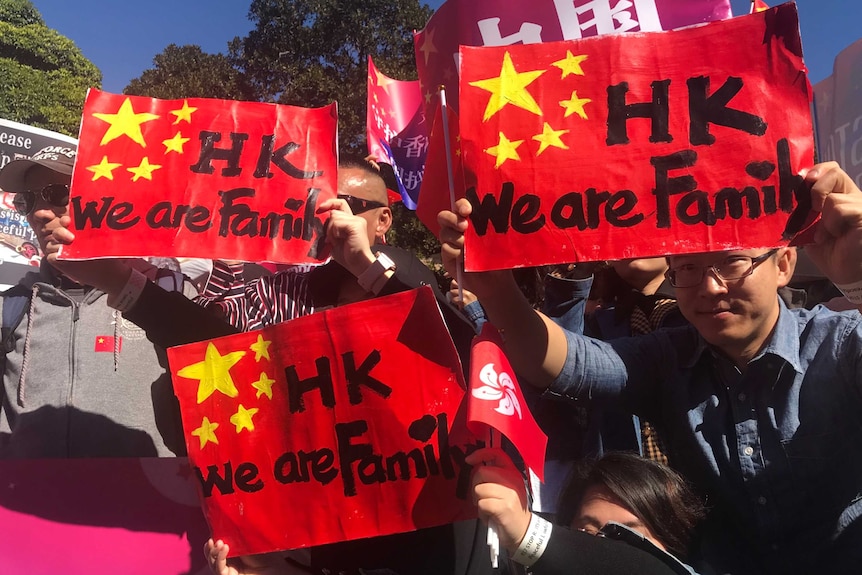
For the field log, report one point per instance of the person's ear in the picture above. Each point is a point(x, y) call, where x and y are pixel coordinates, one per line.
point(786, 262)
point(384, 222)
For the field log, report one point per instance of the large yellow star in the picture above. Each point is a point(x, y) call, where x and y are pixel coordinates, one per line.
point(184, 113)
point(510, 87)
point(260, 348)
point(570, 64)
point(505, 150)
point(206, 432)
point(575, 105)
point(550, 137)
point(242, 418)
point(125, 123)
point(428, 47)
point(383, 81)
point(145, 170)
point(263, 385)
point(103, 169)
point(175, 144)
point(213, 372)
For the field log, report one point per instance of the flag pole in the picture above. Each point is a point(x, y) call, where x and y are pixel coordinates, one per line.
point(450, 172)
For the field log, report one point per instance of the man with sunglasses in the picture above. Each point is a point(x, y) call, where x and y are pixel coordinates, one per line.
point(79, 379)
point(761, 406)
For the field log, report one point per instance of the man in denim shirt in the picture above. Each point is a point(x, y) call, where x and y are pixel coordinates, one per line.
point(761, 405)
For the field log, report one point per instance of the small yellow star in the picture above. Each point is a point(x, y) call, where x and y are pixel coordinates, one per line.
point(428, 47)
point(575, 105)
point(145, 170)
point(103, 169)
point(242, 418)
point(570, 64)
point(175, 144)
point(125, 123)
point(184, 113)
point(263, 385)
point(510, 87)
point(550, 137)
point(260, 348)
point(213, 373)
point(505, 150)
point(206, 432)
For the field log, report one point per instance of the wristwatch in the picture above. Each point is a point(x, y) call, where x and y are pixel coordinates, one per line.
point(374, 278)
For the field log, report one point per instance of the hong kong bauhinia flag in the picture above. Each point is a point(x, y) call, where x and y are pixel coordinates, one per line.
point(200, 177)
point(495, 399)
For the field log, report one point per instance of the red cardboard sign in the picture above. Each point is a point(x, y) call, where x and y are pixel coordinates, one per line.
point(335, 426)
point(201, 178)
point(637, 145)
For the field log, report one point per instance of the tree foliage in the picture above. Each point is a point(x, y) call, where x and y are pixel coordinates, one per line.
point(188, 72)
point(43, 75)
point(313, 52)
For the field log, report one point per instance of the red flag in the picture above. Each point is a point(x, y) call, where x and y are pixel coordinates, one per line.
point(496, 400)
point(758, 6)
point(106, 343)
point(434, 195)
point(201, 178)
point(578, 159)
point(351, 410)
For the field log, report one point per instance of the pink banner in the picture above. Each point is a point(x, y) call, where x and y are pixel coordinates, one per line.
point(507, 22)
point(93, 516)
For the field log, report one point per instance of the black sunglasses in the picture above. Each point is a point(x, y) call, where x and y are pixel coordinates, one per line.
point(54, 194)
point(358, 205)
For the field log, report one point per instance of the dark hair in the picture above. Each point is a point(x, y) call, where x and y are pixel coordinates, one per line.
point(653, 492)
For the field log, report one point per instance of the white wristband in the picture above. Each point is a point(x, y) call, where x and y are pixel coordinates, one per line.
point(853, 292)
point(130, 292)
point(534, 542)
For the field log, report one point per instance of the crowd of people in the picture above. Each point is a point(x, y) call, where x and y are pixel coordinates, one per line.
point(700, 421)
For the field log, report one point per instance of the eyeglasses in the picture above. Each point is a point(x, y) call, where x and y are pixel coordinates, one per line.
point(359, 205)
point(54, 194)
point(732, 268)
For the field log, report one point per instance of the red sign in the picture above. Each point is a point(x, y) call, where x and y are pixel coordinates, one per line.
point(308, 432)
point(693, 144)
point(201, 178)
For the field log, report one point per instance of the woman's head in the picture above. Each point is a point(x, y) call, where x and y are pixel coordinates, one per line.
point(644, 495)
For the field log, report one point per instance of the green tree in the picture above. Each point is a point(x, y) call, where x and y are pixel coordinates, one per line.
point(188, 72)
point(43, 75)
point(313, 52)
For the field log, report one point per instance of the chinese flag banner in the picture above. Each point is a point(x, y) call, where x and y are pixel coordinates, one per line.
point(637, 145)
point(507, 22)
point(335, 426)
point(496, 400)
point(201, 178)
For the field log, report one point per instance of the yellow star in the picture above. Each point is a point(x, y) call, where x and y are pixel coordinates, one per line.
point(213, 373)
point(263, 385)
point(570, 64)
point(242, 418)
point(175, 144)
point(509, 88)
point(550, 137)
point(125, 123)
point(184, 113)
point(206, 432)
point(260, 348)
point(428, 47)
point(383, 81)
point(575, 105)
point(145, 170)
point(505, 150)
point(103, 169)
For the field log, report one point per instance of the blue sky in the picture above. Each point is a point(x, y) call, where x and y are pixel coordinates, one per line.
point(121, 38)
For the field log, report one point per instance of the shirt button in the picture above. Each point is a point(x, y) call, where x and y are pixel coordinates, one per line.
point(741, 397)
point(748, 451)
point(761, 500)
